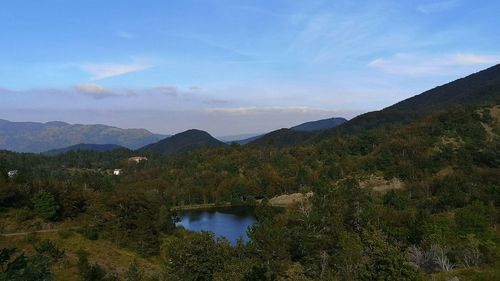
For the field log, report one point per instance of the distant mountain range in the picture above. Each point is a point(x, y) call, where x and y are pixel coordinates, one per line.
point(310, 126)
point(40, 137)
point(84, 147)
point(237, 138)
point(182, 142)
point(474, 90)
point(480, 88)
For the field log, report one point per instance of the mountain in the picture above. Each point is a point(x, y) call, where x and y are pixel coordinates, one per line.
point(319, 125)
point(84, 146)
point(477, 89)
point(39, 137)
point(481, 88)
point(248, 140)
point(182, 142)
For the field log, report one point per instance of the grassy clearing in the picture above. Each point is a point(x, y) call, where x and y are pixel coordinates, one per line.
point(108, 255)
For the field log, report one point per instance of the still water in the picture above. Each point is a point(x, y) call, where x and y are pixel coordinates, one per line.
point(231, 223)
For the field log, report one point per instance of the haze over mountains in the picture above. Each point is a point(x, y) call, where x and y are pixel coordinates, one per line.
point(473, 90)
point(40, 137)
point(57, 137)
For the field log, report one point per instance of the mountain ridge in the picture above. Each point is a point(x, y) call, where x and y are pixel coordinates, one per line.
point(319, 125)
point(39, 137)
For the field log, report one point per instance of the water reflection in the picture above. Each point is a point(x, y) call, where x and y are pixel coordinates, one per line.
point(231, 223)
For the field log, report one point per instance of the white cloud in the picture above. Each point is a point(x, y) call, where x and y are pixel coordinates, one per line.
point(94, 90)
point(438, 6)
point(254, 110)
point(101, 71)
point(125, 35)
point(420, 65)
point(475, 59)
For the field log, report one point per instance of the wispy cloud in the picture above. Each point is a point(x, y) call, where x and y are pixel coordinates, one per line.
point(255, 110)
point(438, 6)
point(420, 65)
point(125, 34)
point(102, 71)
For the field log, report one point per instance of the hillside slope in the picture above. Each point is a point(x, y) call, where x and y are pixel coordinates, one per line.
point(318, 125)
point(38, 137)
point(474, 90)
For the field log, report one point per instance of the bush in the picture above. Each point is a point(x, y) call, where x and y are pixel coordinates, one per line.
point(49, 248)
point(89, 232)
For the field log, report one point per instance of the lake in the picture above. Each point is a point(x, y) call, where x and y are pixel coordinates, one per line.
point(231, 222)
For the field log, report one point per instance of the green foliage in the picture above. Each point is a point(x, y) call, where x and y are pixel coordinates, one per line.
point(475, 218)
point(196, 257)
point(22, 268)
point(45, 204)
point(92, 272)
point(385, 262)
point(49, 248)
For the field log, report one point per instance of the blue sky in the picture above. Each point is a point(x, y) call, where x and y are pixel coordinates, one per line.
point(232, 67)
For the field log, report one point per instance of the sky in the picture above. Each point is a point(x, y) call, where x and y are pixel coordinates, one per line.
point(232, 67)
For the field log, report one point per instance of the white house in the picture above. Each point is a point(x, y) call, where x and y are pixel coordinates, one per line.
point(117, 172)
point(12, 173)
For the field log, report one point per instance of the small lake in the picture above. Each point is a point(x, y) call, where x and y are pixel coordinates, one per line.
point(231, 223)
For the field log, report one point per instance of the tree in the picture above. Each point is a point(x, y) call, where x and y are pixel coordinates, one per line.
point(22, 268)
point(196, 257)
point(92, 272)
point(384, 261)
point(45, 204)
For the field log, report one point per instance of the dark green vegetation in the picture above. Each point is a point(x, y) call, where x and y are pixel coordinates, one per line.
point(319, 125)
point(413, 199)
point(40, 137)
point(84, 146)
point(182, 142)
